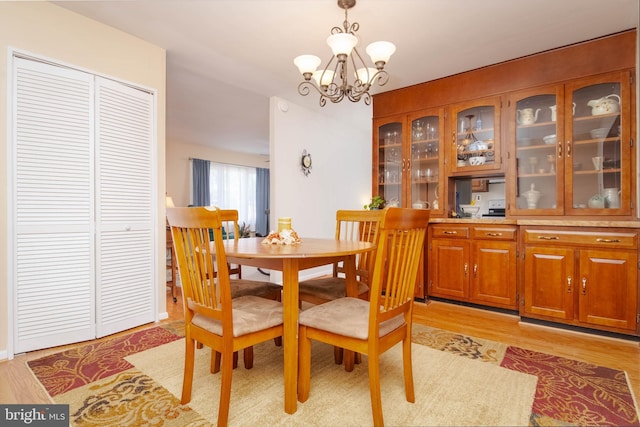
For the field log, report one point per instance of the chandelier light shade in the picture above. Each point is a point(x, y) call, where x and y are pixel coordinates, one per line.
point(346, 75)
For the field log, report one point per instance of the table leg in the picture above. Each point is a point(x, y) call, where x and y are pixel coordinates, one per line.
point(351, 282)
point(290, 305)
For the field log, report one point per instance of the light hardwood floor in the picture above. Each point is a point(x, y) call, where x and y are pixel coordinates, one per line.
point(17, 384)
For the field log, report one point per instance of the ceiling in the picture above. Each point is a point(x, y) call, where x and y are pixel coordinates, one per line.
point(225, 58)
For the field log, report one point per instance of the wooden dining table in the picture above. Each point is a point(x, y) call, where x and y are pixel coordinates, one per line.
point(290, 260)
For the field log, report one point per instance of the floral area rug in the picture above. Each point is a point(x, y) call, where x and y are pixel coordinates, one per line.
point(568, 392)
point(104, 389)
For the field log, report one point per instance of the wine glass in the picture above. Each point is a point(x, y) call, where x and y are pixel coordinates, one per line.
point(533, 161)
point(551, 158)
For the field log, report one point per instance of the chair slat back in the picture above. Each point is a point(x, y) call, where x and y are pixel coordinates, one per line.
point(197, 264)
point(358, 225)
point(400, 244)
point(229, 219)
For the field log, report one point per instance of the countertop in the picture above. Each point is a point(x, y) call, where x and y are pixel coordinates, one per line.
point(542, 222)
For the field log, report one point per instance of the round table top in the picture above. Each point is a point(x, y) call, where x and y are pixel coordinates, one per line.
point(307, 248)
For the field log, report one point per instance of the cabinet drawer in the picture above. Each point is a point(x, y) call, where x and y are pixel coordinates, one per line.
point(587, 238)
point(494, 233)
point(450, 231)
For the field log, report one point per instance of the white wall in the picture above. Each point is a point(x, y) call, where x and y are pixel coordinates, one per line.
point(47, 30)
point(339, 142)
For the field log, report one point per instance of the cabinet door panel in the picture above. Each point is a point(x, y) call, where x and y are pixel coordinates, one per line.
point(549, 282)
point(608, 293)
point(493, 274)
point(450, 275)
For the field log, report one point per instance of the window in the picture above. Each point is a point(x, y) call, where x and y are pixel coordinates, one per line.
point(234, 187)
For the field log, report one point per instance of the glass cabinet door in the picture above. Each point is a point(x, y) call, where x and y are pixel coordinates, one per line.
point(388, 157)
point(535, 124)
point(476, 134)
point(598, 146)
point(426, 156)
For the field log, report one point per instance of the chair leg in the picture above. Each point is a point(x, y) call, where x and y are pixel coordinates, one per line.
point(225, 389)
point(408, 370)
point(187, 379)
point(248, 357)
point(215, 362)
point(374, 389)
point(338, 355)
point(349, 360)
point(304, 364)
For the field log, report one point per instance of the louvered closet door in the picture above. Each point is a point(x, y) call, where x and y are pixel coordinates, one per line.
point(52, 206)
point(124, 208)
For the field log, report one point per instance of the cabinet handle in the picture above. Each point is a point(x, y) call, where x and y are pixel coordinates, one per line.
point(403, 164)
point(559, 149)
point(548, 238)
point(569, 284)
point(475, 270)
point(584, 286)
point(466, 269)
point(494, 234)
point(568, 148)
point(408, 165)
point(453, 138)
point(608, 240)
point(449, 232)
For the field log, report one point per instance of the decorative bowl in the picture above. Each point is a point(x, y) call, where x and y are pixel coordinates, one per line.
point(470, 210)
point(550, 139)
point(599, 133)
point(481, 145)
point(476, 161)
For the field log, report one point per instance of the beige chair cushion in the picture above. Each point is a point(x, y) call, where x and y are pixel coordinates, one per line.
point(329, 288)
point(250, 314)
point(346, 316)
point(242, 287)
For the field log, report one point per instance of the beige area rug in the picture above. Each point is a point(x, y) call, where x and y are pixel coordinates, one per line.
point(450, 390)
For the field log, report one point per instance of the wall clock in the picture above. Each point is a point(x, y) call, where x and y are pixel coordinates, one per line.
point(305, 162)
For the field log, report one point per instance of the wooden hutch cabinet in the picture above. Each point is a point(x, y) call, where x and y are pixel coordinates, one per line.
point(559, 129)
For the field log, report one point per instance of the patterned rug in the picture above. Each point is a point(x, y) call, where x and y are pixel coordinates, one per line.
point(568, 392)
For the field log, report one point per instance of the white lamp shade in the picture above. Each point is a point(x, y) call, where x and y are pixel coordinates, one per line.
point(342, 43)
point(365, 75)
point(307, 63)
point(327, 78)
point(381, 51)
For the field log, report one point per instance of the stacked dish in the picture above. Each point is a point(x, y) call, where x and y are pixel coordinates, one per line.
point(550, 139)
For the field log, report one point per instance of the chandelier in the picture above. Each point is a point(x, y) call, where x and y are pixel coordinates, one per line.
point(346, 74)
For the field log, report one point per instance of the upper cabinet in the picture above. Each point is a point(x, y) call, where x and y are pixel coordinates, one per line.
point(475, 137)
point(388, 159)
point(409, 161)
point(572, 148)
point(426, 164)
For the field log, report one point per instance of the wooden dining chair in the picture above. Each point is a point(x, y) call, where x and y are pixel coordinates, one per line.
point(241, 287)
point(354, 225)
point(372, 327)
point(212, 316)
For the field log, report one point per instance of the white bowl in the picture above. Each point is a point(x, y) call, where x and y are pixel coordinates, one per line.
point(482, 145)
point(476, 161)
point(550, 139)
point(470, 210)
point(599, 133)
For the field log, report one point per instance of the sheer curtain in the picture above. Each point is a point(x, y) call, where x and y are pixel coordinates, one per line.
point(234, 187)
